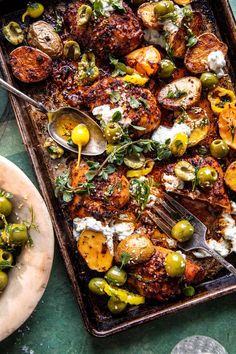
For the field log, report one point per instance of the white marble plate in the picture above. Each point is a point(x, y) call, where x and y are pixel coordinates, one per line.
point(28, 280)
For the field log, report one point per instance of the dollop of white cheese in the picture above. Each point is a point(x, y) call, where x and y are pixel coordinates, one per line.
point(161, 134)
point(222, 247)
point(105, 112)
point(229, 230)
point(172, 183)
point(154, 37)
point(120, 230)
point(169, 26)
point(233, 207)
point(216, 62)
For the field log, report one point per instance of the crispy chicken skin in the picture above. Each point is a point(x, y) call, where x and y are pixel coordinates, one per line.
point(150, 278)
point(147, 116)
point(103, 202)
point(216, 195)
point(117, 34)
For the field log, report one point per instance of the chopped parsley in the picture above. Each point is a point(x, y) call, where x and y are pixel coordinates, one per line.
point(140, 190)
point(176, 94)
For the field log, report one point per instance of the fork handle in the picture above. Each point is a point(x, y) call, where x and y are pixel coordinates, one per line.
point(221, 260)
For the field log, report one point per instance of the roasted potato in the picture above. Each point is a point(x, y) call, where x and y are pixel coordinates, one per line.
point(196, 118)
point(137, 246)
point(177, 40)
point(230, 176)
point(30, 64)
point(144, 60)
point(184, 93)
point(41, 35)
point(227, 126)
point(147, 15)
point(196, 57)
point(92, 246)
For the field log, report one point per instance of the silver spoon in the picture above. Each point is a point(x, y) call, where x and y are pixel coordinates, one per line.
point(97, 143)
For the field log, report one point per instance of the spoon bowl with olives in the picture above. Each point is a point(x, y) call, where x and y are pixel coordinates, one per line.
point(61, 123)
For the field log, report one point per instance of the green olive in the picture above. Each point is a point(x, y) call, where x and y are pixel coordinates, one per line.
point(83, 15)
point(182, 231)
point(175, 264)
point(207, 176)
point(189, 291)
point(71, 50)
point(15, 234)
point(134, 161)
point(163, 8)
point(116, 276)
point(3, 280)
point(96, 285)
point(113, 132)
point(219, 149)
point(116, 306)
point(209, 80)
point(167, 68)
point(13, 33)
point(185, 171)
point(6, 259)
point(5, 206)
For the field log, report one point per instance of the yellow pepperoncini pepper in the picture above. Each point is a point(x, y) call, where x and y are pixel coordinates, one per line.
point(142, 172)
point(34, 10)
point(220, 98)
point(87, 69)
point(124, 295)
point(136, 79)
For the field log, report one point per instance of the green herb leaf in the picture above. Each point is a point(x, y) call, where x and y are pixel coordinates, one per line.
point(144, 102)
point(117, 116)
point(124, 259)
point(115, 96)
point(136, 127)
point(176, 94)
point(133, 102)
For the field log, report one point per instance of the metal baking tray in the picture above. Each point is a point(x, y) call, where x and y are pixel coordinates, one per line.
point(96, 318)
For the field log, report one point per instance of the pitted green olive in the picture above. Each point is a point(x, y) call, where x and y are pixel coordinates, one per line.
point(209, 80)
point(116, 276)
point(167, 68)
point(5, 206)
point(182, 231)
point(175, 264)
point(13, 33)
point(83, 15)
point(6, 259)
point(113, 132)
point(15, 234)
point(96, 285)
point(207, 176)
point(116, 306)
point(164, 7)
point(3, 280)
point(72, 50)
point(185, 171)
point(219, 149)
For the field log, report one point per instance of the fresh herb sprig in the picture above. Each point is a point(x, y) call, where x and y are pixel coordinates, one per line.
point(176, 94)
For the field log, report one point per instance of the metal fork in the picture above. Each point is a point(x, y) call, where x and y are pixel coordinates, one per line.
point(165, 222)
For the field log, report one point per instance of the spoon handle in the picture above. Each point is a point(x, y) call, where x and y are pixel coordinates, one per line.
point(20, 94)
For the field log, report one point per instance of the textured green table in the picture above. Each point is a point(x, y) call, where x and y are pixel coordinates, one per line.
point(56, 327)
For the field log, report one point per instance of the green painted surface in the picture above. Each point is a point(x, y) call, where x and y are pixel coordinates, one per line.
point(56, 327)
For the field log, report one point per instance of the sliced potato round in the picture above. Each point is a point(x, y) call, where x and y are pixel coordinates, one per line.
point(230, 176)
point(197, 120)
point(147, 15)
point(137, 246)
point(144, 60)
point(196, 58)
point(181, 93)
point(41, 35)
point(92, 246)
point(227, 125)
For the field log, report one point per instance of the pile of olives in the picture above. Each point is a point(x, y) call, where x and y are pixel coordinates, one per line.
point(114, 276)
point(12, 238)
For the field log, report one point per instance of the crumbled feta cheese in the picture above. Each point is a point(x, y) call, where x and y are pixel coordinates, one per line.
point(229, 229)
point(105, 112)
point(216, 62)
point(154, 37)
point(106, 6)
point(169, 26)
point(233, 207)
point(222, 247)
point(162, 133)
point(121, 230)
point(172, 183)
